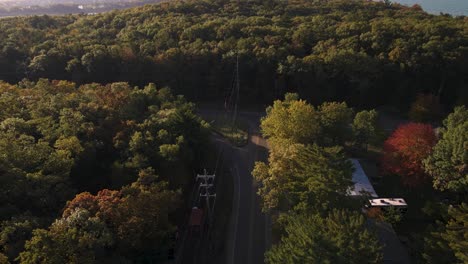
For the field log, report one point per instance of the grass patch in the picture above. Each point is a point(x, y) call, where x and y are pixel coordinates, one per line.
point(237, 132)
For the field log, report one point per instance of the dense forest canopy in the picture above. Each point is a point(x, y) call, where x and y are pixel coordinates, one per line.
point(306, 182)
point(365, 53)
point(58, 139)
point(89, 146)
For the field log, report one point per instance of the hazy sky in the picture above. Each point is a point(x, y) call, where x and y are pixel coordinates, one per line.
point(455, 7)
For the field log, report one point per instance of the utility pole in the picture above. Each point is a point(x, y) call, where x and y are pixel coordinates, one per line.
point(237, 91)
point(205, 189)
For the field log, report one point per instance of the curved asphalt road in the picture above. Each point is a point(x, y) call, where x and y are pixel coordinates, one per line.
point(250, 229)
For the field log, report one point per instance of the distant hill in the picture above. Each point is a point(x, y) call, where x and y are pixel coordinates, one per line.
point(59, 7)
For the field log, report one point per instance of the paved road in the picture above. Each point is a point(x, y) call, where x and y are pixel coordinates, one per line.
point(250, 229)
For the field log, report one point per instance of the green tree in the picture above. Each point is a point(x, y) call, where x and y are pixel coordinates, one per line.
point(307, 178)
point(448, 163)
point(456, 233)
point(146, 207)
point(340, 237)
point(435, 249)
point(448, 242)
point(365, 127)
point(38, 172)
point(335, 120)
point(77, 238)
point(14, 233)
point(291, 119)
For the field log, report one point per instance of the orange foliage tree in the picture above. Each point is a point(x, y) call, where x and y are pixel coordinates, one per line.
point(104, 204)
point(405, 150)
point(137, 216)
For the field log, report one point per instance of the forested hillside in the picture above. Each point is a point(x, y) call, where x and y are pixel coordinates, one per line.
point(96, 161)
point(365, 53)
point(58, 139)
point(308, 175)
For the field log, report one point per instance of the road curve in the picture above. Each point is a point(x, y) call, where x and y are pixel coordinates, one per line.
point(250, 229)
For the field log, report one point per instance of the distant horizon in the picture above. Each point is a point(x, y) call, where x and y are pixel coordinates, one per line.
point(63, 7)
point(452, 7)
point(21, 3)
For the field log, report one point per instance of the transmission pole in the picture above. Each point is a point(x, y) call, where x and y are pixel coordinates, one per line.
point(237, 91)
point(204, 189)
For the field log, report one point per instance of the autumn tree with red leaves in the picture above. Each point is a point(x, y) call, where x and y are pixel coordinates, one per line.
point(405, 150)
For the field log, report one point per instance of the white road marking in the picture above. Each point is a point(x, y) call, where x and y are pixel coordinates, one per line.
point(236, 217)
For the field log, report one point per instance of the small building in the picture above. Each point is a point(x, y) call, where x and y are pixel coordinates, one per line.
point(362, 185)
